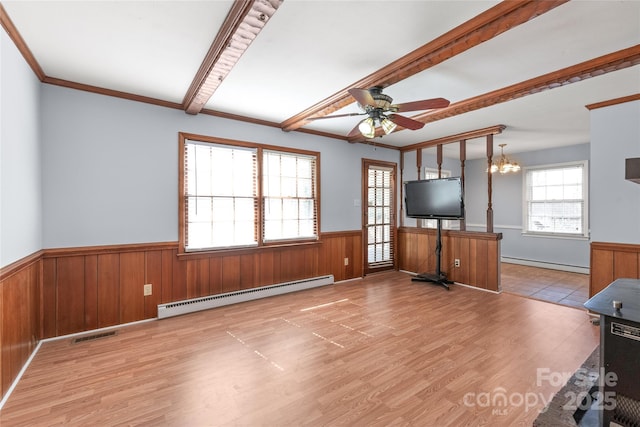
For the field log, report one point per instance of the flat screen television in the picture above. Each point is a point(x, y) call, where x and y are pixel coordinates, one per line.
point(440, 198)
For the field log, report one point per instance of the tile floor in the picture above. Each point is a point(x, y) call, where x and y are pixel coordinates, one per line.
point(556, 286)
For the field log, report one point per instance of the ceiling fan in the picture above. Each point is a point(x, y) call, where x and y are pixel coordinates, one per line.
point(379, 109)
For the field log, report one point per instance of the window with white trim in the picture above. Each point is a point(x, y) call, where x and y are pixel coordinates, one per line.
point(235, 194)
point(556, 199)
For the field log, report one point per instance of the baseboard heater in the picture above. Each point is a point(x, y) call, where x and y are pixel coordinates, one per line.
point(204, 303)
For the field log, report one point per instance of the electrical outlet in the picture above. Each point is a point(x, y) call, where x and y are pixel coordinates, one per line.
point(456, 262)
point(148, 289)
point(346, 261)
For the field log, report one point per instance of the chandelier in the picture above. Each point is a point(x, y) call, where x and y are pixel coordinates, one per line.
point(504, 165)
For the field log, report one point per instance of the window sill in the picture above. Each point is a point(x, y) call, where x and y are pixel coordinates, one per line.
point(555, 236)
point(209, 253)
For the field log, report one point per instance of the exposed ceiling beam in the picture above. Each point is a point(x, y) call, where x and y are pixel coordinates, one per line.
point(595, 67)
point(478, 133)
point(500, 18)
point(241, 26)
point(616, 101)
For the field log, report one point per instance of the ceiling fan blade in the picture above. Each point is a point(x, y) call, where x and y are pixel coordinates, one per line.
point(405, 122)
point(425, 104)
point(335, 116)
point(363, 96)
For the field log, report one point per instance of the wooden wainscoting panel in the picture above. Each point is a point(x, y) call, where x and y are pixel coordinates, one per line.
point(96, 287)
point(473, 266)
point(356, 249)
point(70, 294)
point(197, 277)
point(463, 250)
point(625, 264)
point(108, 290)
point(266, 266)
point(19, 318)
point(153, 276)
point(482, 258)
point(493, 265)
point(336, 246)
point(611, 261)
point(179, 290)
point(49, 298)
point(335, 256)
point(292, 265)
point(169, 258)
point(231, 273)
point(248, 271)
point(131, 287)
point(479, 255)
point(215, 276)
point(91, 292)
point(310, 263)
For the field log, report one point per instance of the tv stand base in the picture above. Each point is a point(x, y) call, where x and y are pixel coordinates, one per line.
point(437, 279)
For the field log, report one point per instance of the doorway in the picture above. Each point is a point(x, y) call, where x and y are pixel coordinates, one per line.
point(378, 214)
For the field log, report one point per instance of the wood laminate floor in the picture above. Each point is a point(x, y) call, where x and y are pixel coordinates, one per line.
point(382, 351)
point(561, 287)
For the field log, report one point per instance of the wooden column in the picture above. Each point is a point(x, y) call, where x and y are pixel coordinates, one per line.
point(419, 167)
point(489, 183)
point(401, 189)
point(463, 158)
point(439, 160)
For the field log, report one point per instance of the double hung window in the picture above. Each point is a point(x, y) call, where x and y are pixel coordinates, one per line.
point(235, 194)
point(555, 200)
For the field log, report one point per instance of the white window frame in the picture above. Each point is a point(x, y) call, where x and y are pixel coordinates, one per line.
point(542, 231)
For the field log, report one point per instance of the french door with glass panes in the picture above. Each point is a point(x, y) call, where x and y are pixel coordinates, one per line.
point(378, 212)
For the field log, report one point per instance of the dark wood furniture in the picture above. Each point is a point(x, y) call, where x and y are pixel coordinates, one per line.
point(619, 308)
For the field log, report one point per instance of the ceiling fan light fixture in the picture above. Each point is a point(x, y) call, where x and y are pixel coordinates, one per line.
point(382, 101)
point(367, 128)
point(387, 126)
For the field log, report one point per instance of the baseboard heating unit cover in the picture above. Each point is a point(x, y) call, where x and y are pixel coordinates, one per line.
point(197, 304)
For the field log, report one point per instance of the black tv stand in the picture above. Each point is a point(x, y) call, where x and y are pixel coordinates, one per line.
point(439, 277)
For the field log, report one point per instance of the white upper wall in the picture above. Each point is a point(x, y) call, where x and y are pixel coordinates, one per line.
point(110, 168)
point(615, 206)
point(20, 180)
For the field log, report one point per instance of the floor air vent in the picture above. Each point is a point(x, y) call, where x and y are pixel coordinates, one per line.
point(94, 337)
point(204, 303)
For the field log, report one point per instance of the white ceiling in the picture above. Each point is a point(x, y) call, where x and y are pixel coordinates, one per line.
point(310, 50)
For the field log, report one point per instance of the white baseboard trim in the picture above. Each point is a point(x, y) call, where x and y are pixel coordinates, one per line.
point(478, 289)
point(548, 265)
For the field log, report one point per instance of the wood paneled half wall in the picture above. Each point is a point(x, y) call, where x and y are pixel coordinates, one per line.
point(479, 255)
point(611, 261)
point(63, 291)
point(19, 316)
